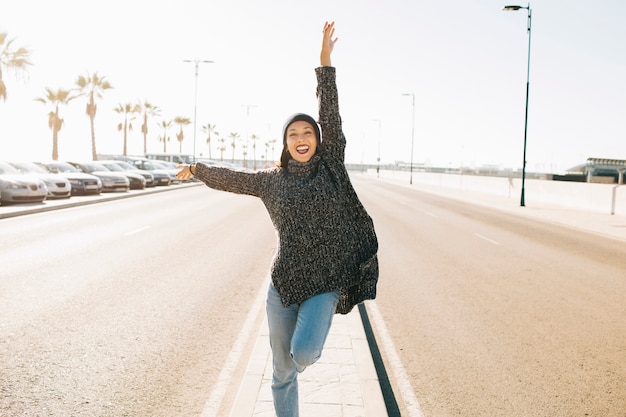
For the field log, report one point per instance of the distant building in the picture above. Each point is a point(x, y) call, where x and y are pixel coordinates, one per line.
point(601, 170)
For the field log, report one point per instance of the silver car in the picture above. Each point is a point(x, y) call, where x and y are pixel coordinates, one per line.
point(58, 186)
point(19, 188)
point(111, 181)
point(137, 180)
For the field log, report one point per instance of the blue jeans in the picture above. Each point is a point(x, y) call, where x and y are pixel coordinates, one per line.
point(297, 337)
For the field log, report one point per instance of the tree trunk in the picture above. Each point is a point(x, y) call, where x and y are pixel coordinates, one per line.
point(55, 145)
point(94, 153)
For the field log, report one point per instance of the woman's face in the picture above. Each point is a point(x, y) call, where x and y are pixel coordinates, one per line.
point(301, 141)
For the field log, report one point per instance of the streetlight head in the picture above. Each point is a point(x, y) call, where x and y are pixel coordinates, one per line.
point(513, 7)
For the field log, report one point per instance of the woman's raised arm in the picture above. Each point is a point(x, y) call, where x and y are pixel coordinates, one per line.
point(328, 43)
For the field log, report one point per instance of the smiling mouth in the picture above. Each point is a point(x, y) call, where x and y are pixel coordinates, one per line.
point(302, 149)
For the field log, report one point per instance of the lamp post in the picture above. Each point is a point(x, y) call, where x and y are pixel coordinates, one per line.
point(522, 199)
point(195, 100)
point(412, 135)
point(378, 158)
point(247, 106)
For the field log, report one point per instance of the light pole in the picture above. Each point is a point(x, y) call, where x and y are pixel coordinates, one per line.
point(195, 101)
point(247, 106)
point(378, 158)
point(412, 135)
point(530, 13)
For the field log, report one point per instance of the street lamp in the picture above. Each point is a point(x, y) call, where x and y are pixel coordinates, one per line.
point(412, 135)
point(247, 106)
point(522, 200)
point(378, 158)
point(195, 101)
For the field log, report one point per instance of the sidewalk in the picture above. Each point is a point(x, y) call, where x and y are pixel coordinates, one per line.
point(343, 383)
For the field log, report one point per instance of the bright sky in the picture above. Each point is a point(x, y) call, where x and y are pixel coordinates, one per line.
point(465, 62)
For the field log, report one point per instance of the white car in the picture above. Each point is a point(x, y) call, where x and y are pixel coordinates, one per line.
point(82, 184)
point(58, 186)
point(19, 188)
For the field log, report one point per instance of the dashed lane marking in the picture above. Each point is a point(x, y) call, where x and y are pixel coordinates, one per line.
point(478, 235)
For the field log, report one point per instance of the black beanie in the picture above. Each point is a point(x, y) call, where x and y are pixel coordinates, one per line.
point(301, 117)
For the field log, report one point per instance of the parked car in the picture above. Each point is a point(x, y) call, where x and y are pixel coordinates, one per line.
point(136, 181)
point(170, 168)
point(114, 165)
point(111, 181)
point(58, 186)
point(161, 177)
point(171, 157)
point(82, 184)
point(16, 187)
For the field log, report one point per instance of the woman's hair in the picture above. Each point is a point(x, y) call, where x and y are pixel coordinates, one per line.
point(284, 155)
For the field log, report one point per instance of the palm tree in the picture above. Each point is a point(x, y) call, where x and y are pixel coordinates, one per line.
point(208, 129)
point(245, 154)
point(92, 86)
point(222, 148)
point(148, 110)
point(14, 59)
point(272, 142)
point(165, 125)
point(254, 138)
point(55, 122)
point(128, 110)
point(180, 136)
point(233, 136)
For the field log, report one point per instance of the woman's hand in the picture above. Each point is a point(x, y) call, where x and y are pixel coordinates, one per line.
point(328, 44)
point(184, 173)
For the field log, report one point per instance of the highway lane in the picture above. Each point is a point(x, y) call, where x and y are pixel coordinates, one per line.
point(129, 307)
point(497, 315)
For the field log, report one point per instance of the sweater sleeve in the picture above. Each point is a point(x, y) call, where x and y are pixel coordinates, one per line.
point(333, 140)
point(238, 181)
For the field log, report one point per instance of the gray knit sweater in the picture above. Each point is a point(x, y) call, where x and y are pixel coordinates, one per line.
point(326, 239)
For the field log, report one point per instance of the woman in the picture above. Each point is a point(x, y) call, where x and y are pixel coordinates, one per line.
point(326, 259)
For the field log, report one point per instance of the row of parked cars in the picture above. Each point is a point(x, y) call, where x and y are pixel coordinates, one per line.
point(28, 182)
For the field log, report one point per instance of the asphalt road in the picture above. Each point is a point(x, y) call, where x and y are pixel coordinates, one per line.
point(130, 307)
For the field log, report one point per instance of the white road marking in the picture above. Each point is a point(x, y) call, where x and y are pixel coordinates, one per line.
point(400, 376)
point(213, 404)
point(428, 213)
point(486, 238)
point(137, 231)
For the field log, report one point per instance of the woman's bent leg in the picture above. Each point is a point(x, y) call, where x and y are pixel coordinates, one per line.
point(297, 337)
point(315, 317)
point(282, 323)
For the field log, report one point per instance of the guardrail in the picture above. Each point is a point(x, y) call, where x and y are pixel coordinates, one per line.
point(600, 198)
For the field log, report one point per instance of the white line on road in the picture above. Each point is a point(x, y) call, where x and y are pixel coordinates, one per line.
point(213, 404)
point(402, 379)
point(137, 231)
point(428, 213)
point(486, 238)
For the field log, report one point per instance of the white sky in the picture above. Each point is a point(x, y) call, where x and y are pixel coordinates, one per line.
point(465, 61)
